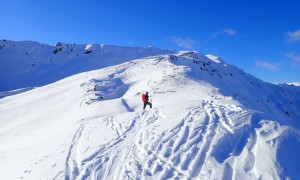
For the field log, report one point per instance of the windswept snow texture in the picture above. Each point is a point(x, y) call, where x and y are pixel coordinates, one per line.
point(209, 120)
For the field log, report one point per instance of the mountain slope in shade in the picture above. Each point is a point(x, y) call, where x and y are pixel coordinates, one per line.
point(30, 64)
point(209, 120)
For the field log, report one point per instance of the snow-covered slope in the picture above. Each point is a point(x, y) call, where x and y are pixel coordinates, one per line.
point(31, 64)
point(209, 120)
point(294, 83)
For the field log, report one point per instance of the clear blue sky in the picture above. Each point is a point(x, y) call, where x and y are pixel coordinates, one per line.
point(261, 37)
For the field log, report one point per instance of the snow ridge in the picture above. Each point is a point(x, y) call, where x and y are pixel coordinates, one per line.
point(36, 64)
point(209, 120)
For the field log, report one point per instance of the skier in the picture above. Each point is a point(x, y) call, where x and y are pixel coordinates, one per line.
point(145, 98)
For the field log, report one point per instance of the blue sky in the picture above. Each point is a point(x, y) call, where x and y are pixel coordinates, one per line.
point(261, 37)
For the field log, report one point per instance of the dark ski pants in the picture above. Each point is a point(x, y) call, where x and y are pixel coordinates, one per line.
point(147, 103)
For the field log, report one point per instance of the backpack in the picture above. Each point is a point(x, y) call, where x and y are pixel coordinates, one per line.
point(144, 97)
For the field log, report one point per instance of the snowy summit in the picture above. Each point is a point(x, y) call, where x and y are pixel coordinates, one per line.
point(75, 112)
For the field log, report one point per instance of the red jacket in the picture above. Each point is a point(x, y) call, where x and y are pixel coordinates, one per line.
point(144, 98)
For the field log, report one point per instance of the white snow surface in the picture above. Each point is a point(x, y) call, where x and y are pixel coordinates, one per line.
point(209, 120)
point(89, 47)
point(294, 83)
point(214, 58)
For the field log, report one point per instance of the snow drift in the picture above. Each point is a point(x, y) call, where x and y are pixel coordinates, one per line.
point(209, 120)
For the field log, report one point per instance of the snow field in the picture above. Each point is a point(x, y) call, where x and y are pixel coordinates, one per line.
point(202, 125)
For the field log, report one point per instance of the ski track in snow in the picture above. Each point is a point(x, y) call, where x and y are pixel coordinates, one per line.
point(72, 165)
point(138, 153)
point(99, 164)
point(192, 137)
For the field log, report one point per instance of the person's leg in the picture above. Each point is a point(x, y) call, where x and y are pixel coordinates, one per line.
point(149, 104)
point(145, 103)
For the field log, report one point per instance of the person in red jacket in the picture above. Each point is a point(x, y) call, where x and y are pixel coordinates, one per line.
point(145, 98)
